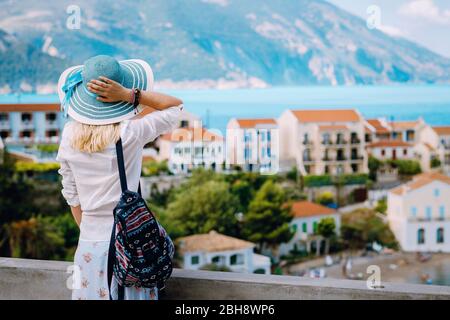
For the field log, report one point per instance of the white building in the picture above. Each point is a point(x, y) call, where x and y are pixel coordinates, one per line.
point(418, 213)
point(323, 141)
point(403, 140)
point(307, 216)
point(392, 150)
point(252, 144)
point(215, 248)
point(444, 141)
point(189, 148)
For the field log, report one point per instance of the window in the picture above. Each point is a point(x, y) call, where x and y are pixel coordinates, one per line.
point(184, 123)
point(304, 227)
point(195, 260)
point(50, 116)
point(421, 236)
point(220, 260)
point(26, 134)
point(268, 135)
point(4, 117)
point(315, 224)
point(263, 152)
point(437, 192)
point(442, 212)
point(237, 259)
point(263, 135)
point(26, 117)
point(248, 136)
point(428, 213)
point(51, 133)
point(383, 152)
point(269, 152)
point(413, 212)
point(4, 134)
point(294, 228)
point(440, 235)
point(405, 152)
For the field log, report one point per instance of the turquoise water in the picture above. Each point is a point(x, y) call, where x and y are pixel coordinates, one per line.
point(216, 107)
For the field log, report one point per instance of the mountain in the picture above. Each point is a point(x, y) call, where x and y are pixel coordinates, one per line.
point(214, 43)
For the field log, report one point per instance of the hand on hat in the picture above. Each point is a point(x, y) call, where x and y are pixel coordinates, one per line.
point(109, 90)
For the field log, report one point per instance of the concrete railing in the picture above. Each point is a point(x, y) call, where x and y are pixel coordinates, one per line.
point(37, 279)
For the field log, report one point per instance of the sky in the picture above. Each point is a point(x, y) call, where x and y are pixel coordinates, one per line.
point(426, 22)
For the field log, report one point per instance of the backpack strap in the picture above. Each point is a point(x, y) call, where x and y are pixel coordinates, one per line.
point(121, 165)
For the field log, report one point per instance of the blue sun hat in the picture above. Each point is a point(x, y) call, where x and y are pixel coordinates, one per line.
point(82, 105)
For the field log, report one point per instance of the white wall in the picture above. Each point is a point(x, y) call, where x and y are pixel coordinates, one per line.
point(405, 224)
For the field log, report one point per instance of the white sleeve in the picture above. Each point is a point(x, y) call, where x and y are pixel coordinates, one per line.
point(69, 190)
point(156, 123)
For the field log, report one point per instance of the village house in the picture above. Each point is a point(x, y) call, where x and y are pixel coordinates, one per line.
point(199, 250)
point(23, 123)
point(418, 213)
point(306, 218)
point(323, 141)
point(443, 133)
point(403, 140)
point(190, 148)
point(252, 144)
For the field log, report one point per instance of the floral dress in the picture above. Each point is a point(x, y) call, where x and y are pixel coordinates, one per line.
point(90, 275)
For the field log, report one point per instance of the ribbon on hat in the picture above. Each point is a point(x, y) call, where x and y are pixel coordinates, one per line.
point(68, 88)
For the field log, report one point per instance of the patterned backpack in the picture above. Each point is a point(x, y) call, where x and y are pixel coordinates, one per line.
point(140, 251)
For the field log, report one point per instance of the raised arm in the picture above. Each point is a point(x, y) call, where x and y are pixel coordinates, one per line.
point(111, 91)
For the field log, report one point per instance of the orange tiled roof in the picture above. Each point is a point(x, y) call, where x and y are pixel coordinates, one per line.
point(378, 125)
point(442, 131)
point(419, 181)
point(251, 123)
point(403, 125)
point(389, 143)
point(339, 115)
point(301, 209)
point(211, 242)
point(30, 107)
point(333, 128)
point(191, 134)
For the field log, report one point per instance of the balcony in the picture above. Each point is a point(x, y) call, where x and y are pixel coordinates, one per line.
point(308, 159)
point(340, 142)
point(355, 141)
point(44, 280)
point(307, 142)
point(4, 125)
point(340, 159)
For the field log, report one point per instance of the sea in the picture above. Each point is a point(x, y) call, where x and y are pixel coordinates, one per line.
point(217, 107)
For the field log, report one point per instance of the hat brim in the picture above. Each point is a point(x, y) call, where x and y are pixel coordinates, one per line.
point(84, 106)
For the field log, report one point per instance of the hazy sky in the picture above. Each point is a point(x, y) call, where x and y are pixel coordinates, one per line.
point(426, 22)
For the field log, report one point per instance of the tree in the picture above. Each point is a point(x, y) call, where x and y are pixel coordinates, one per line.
point(364, 226)
point(16, 197)
point(244, 191)
point(35, 238)
point(268, 218)
point(326, 228)
point(204, 207)
point(381, 206)
point(374, 165)
point(326, 198)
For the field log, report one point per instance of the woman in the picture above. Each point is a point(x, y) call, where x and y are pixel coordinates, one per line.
point(106, 100)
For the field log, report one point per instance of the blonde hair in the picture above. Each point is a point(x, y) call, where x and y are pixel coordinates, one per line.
point(94, 138)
